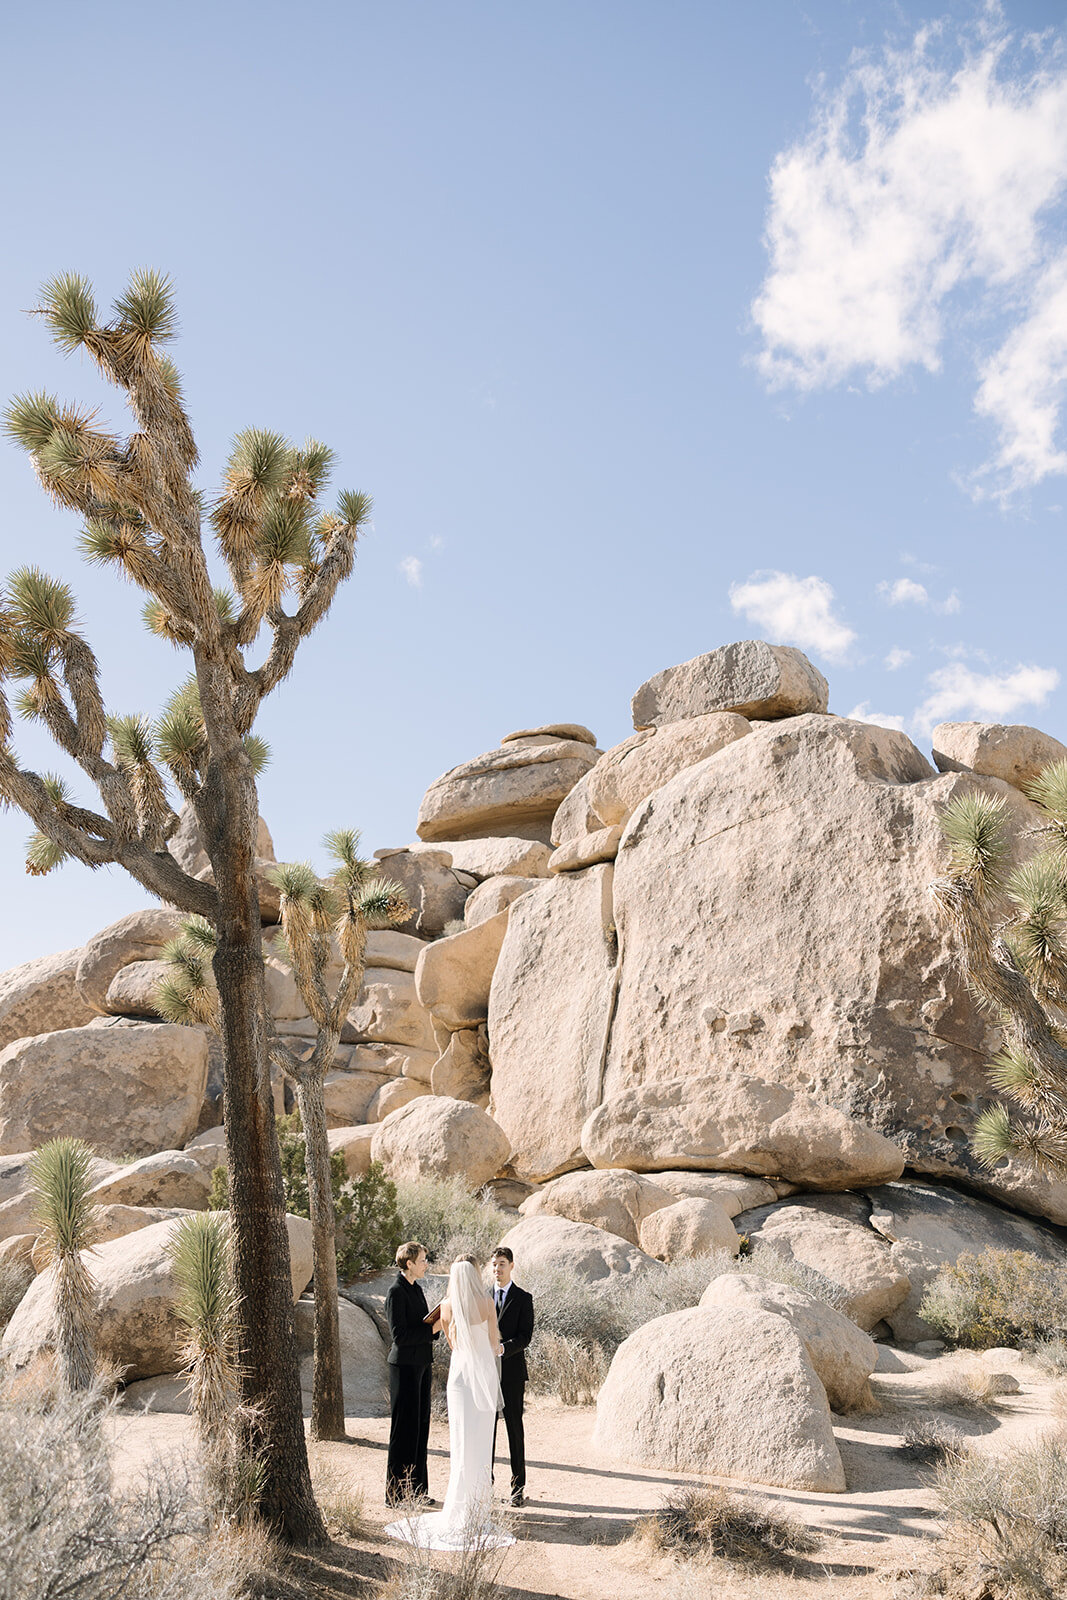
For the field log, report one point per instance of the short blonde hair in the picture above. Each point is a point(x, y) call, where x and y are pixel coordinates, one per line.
point(408, 1253)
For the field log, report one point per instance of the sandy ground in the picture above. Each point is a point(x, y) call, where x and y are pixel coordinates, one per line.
point(574, 1534)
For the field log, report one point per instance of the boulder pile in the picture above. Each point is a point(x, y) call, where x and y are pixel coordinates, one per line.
point(668, 1000)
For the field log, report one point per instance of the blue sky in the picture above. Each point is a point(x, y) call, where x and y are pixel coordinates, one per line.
point(648, 326)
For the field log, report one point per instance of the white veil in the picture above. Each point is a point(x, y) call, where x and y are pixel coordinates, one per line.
point(471, 1303)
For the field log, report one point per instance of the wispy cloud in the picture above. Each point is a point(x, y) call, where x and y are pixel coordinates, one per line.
point(881, 719)
point(957, 691)
point(411, 567)
point(905, 591)
point(792, 610)
point(931, 169)
point(898, 658)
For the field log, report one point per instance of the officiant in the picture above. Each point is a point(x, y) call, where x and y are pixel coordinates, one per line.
point(410, 1369)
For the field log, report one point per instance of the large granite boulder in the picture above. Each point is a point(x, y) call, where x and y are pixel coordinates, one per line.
point(173, 1178)
point(1011, 751)
point(579, 1251)
point(435, 892)
point(831, 1233)
point(512, 791)
point(461, 1071)
point(387, 1010)
point(550, 1010)
point(843, 1356)
point(364, 1371)
point(492, 857)
point(738, 1122)
point(689, 1228)
point(616, 1201)
point(631, 771)
point(42, 997)
point(773, 918)
point(138, 1329)
point(126, 1091)
point(928, 1226)
point(752, 679)
point(355, 1145)
point(437, 1138)
point(453, 976)
point(140, 936)
point(492, 895)
point(726, 1390)
point(735, 1191)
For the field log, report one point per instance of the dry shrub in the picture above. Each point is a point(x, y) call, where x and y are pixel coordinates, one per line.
point(1051, 1354)
point(1000, 1297)
point(1008, 1515)
point(15, 1279)
point(974, 1391)
point(928, 1439)
point(707, 1521)
point(470, 1573)
point(450, 1220)
point(341, 1502)
point(568, 1368)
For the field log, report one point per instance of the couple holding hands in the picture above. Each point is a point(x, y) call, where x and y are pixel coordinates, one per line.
point(488, 1330)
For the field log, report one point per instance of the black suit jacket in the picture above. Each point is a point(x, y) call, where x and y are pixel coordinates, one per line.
point(405, 1307)
point(516, 1323)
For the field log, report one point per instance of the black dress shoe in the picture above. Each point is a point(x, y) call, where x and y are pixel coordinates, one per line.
point(518, 1498)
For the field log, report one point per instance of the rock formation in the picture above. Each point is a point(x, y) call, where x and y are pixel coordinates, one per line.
point(665, 997)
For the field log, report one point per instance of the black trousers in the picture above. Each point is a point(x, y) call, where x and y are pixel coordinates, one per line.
point(514, 1399)
point(409, 1431)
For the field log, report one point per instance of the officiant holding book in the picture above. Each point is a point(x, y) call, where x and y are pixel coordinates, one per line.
point(410, 1359)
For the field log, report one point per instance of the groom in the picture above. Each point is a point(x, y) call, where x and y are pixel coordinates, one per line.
point(515, 1319)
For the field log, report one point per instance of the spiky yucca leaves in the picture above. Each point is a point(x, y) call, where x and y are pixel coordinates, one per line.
point(61, 1172)
point(1011, 931)
point(188, 994)
point(199, 1250)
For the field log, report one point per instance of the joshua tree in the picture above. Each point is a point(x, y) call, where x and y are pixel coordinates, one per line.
point(61, 1172)
point(1011, 932)
point(320, 921)
point(142, 515)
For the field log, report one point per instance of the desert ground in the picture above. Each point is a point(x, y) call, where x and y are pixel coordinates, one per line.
point(574, 1535)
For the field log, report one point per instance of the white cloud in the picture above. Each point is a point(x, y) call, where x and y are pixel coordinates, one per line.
point(881, 719)
point(937, 167)
point(958, 692)
point(411, 567)
point(792, 610)
point(898, 658)
point(905, 591)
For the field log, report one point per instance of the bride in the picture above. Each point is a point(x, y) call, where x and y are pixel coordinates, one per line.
point(468, 1318)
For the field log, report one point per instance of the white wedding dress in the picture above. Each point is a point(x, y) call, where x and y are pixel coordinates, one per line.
point(474, 1399)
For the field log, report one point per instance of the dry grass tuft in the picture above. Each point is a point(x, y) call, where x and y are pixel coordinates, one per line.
point(975, 1391)
point(708, 1521)
point(343, 1504)
point(926, 1438)
point(571, 1369)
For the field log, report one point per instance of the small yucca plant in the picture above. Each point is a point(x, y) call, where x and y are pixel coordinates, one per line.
point(207, 1304)
point(62, 1177)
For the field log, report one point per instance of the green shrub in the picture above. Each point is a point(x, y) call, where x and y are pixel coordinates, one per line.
point(449, 1219)
point(1001, 1297)
point(369, 1227)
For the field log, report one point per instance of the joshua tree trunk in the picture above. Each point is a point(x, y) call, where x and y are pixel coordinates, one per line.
point(266, 1336)
point(328, 1399)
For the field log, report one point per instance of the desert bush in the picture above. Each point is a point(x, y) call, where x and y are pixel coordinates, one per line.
point(929, 1439)
point(369, 1227)
point(449, 1219)
point(15, 1279)
point(1012, 1511)
point(1000, 1297)
point(708, 1521)
point(568, 1368)
point(342, 1503)
point(1051, 1354)
point(970, 1391)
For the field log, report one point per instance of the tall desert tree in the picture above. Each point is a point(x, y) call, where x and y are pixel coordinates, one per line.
point(1010, 928)
point(142, 517)
point(325, 925)
point(62, 1177)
